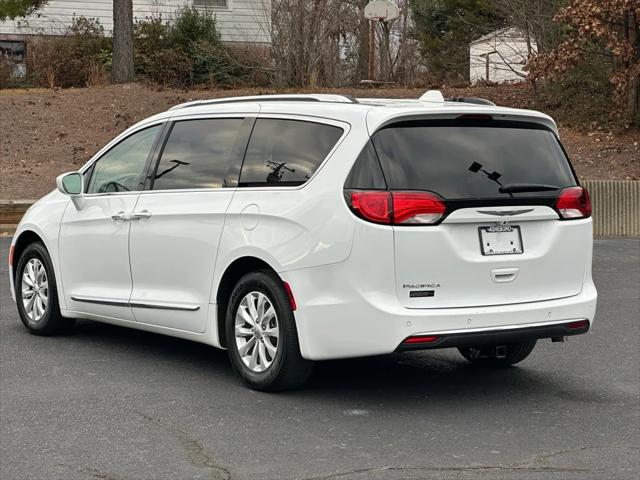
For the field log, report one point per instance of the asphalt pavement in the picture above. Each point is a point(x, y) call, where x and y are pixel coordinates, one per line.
point(116, 404)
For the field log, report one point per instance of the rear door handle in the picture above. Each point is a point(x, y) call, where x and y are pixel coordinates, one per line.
point(504, 275)
point(142, 214)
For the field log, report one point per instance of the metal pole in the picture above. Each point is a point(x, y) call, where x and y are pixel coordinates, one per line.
point(372, 48)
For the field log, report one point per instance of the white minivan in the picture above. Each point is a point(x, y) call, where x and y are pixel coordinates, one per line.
point(295, 228)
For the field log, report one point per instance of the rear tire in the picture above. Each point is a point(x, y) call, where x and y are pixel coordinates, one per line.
point(261, 334)
point(37, 293)
point(496, 356)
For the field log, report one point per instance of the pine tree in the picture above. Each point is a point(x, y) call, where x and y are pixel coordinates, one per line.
point(10, 9)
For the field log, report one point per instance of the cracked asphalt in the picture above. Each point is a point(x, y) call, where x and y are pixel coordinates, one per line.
point(116, 404)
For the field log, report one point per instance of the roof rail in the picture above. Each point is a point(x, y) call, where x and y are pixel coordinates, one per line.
point(320, 97)
point(476, 100)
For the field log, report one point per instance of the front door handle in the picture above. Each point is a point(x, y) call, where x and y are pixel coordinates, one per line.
point(142, 214)
point(121, 216)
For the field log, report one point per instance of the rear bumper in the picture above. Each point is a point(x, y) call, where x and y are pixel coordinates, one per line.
point(338, 319)
point(492, 337)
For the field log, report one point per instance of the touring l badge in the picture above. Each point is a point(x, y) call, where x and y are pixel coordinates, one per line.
point(418, 286)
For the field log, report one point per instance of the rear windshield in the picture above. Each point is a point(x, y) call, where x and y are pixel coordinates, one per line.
point(472, 159)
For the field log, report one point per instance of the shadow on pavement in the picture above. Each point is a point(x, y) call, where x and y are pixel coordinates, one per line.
point(441, 378)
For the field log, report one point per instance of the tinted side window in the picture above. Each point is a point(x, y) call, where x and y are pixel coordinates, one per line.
point(122, 168)
point(366, 173)
point(197, 154)
point(286, 152)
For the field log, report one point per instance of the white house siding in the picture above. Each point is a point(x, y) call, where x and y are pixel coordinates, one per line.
point(506, 52)
point(240, 21)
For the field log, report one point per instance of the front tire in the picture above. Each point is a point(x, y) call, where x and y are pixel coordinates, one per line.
point(498, 355)
point(261, 334)
point(37, 293)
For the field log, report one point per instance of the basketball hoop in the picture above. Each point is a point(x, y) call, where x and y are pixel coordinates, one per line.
point(378, 11)
point(381, 10)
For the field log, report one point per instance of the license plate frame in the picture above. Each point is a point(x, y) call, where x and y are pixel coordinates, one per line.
point(489, 233)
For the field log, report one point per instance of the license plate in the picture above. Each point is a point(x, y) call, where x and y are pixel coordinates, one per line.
point(500, 240)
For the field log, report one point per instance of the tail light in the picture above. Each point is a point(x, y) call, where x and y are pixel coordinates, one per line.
point(574, 202)
point(374, 206)
point(10, 259)
point(397, 208)
point(414, 208)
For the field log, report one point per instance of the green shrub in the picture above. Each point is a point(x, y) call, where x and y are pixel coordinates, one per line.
point(211, 65)
point(192, 25)
point(149, 36)
point(187, 52)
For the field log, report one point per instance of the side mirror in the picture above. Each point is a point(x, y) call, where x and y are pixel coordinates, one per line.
point(70, 184)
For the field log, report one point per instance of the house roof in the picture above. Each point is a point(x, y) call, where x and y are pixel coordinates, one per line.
point(510, 32)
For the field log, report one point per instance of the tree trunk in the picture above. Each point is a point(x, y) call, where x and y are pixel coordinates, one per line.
point(532, 79)
point(385, 53)
point(362, 67)
point(634, 102)
point(301, 67)
point(122, 65)
point(633, 94)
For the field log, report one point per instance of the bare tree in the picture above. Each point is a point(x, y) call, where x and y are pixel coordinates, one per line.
point(534, 18)
point(122, 65)
point(361, 39)
point(306, 37)
point(398, 50)
point(325, 43)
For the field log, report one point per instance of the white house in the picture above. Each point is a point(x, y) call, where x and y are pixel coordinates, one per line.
point(239, 21)
point(499, 56)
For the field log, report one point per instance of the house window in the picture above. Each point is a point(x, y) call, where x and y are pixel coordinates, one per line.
point(15, 54)
point(210, 3)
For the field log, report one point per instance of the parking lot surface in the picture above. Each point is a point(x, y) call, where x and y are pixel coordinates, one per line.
point(116, 404)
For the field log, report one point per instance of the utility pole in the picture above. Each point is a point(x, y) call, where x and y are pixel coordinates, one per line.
point(372, 49)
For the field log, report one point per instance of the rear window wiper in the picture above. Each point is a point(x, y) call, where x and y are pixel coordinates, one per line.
point(526, 187)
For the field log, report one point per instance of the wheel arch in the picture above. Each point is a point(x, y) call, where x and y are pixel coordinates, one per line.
point(232, 274)
point(24, 239)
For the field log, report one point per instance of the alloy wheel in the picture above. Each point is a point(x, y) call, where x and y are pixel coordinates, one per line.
point(35, 290)
point(256, 331)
